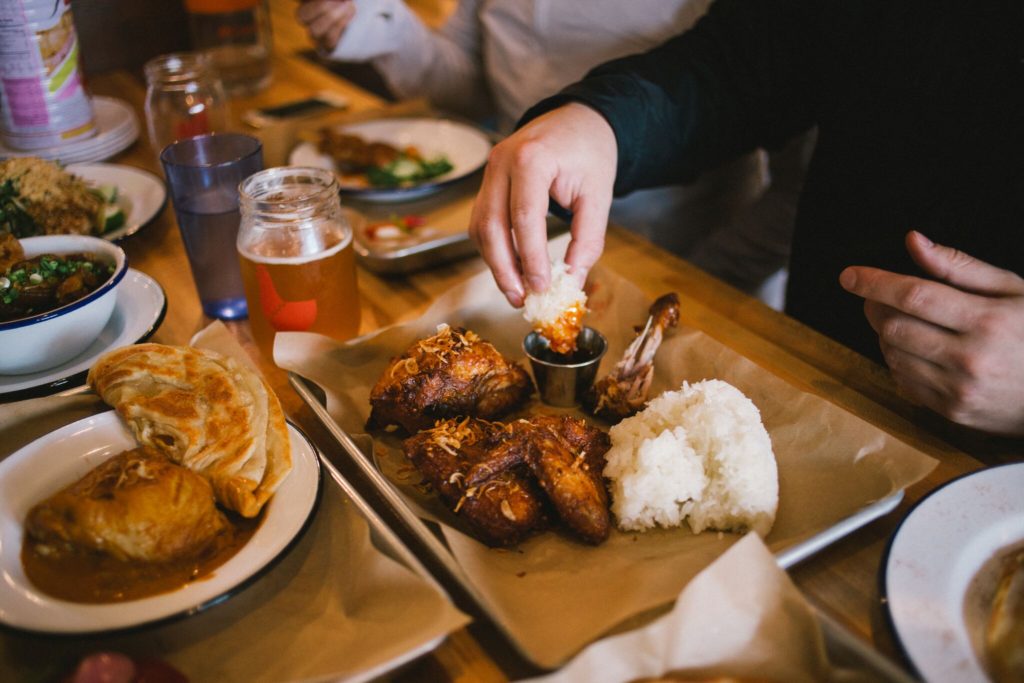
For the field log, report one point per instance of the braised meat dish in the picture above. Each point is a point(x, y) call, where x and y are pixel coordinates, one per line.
point(135, 506)
point(451, 374)
point(508, 481)
point(46, 282)
point(136, 525)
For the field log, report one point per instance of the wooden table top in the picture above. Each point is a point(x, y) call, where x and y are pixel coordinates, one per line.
point(841, 580)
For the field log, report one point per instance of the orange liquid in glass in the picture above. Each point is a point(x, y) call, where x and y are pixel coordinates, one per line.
point(316, 293)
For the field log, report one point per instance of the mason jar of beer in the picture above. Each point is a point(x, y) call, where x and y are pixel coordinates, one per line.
point(297, 256)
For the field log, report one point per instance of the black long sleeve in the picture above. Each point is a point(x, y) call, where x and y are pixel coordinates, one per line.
point(920, 110)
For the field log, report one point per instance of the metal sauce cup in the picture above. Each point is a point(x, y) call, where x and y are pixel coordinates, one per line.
point(562, 380)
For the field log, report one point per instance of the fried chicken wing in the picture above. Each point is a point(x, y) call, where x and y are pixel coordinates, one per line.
point(564, 456)
point(137, 505)
point(501, 511)
point(454, 373)
point(624, 390)
point(567, 457)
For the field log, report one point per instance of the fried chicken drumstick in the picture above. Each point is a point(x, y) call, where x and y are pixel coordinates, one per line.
point(500, 478)
point(624, 390)
point(452, 374)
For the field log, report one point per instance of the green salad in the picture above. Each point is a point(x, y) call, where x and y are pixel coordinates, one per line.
point(407, 170)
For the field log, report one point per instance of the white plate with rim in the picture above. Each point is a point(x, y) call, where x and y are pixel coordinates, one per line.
point(139, 310)
point(116, 129)
point(465, 146)
point(43, 467)
point(932, 558)
point(140, 194)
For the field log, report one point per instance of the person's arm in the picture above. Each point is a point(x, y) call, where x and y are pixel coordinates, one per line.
point(444, 66)
point(741, 78)
point(956, 343)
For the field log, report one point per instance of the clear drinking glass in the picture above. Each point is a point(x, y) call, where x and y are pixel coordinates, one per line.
point(184, 98)
point(203, 174)
point(297, 257)
point(235, 36)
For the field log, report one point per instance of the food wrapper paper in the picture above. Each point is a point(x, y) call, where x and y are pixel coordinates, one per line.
point(335, 607)
point(741, 618)
point(553, 594)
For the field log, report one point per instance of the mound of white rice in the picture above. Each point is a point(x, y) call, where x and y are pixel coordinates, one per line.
point(700, 454)
point(563, 294)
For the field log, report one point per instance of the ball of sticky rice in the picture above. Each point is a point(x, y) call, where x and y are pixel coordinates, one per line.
point(557, 312)
point(700, 455)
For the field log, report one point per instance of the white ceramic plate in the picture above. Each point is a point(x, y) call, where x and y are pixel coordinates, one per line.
point(116, 129)
point(54, 461)
point(932, 558)
point(465, 146)
point(140, 308)
point(141, 195)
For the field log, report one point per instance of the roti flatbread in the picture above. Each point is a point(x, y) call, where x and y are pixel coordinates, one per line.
point(204, 411)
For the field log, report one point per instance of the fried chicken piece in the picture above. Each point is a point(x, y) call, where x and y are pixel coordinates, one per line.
point(502, 511)
point(566, 456)
point(454, 373)
point(624, 390)
point(567, 472)
point(137, 505)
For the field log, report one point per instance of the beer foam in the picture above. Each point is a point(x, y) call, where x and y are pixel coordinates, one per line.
point(253, 254)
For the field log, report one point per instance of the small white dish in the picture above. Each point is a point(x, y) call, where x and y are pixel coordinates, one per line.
point(51, 338)
point(138, 312)
point(140, 194)
point(47, 464)
point(933, 557)
point(466, 148)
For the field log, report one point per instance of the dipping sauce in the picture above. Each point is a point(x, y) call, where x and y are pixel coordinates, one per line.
point(92, 577)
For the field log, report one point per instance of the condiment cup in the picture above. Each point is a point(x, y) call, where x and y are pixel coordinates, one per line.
point(51, 338)
point(562, 380)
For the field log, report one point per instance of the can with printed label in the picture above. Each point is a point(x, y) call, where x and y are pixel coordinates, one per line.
point(42, 100)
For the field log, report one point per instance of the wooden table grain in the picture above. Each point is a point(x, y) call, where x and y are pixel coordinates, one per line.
point(841, 580)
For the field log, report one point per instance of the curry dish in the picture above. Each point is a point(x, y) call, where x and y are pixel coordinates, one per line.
point(44, 283)
point(136, 525)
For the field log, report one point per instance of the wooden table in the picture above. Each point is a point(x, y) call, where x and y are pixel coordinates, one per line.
point(841, 580)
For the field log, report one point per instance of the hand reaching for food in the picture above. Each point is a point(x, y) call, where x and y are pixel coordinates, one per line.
point(956, 343)
point(568, 155)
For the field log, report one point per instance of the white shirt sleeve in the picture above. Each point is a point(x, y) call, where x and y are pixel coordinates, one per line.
point(444, 66)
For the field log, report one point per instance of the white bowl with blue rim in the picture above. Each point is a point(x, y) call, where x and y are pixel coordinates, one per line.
point(51, 338)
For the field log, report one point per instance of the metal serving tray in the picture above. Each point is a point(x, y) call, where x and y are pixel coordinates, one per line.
point(446, 216)
point(843, 647)
point(385, 540)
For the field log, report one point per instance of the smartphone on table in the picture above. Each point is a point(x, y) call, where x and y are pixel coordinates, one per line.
point(320, 103)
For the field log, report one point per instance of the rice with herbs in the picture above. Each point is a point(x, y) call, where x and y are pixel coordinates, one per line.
point(55, 201)
point(699, 455)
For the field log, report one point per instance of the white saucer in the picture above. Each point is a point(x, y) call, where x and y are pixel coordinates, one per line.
point(49, 463)
point(141, 195)
point(932, 558)
point(140, 308)
point(116, 129)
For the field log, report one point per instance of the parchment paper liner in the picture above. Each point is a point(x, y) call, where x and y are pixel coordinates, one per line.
point(555, 593)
